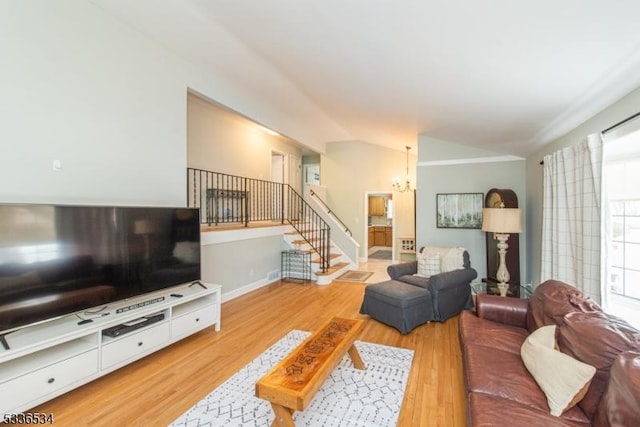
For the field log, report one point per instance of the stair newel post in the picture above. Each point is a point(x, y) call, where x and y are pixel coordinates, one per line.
point(325, 241)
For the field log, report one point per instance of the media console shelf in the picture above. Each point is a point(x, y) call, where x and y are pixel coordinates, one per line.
point(51, 358)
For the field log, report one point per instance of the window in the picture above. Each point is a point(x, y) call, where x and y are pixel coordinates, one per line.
point(621, 204)
point(624, 249)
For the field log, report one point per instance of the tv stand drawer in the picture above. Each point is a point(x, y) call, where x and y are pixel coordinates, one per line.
point(49, 379)
point(134, 345)
point(191, 322)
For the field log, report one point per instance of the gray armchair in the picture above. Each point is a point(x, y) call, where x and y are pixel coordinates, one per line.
point(450, 291)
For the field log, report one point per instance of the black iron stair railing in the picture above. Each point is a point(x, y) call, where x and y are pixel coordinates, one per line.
point(310, 225)
point(231, 199)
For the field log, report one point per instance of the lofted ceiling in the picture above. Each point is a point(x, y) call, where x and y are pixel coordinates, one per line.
point(502, 75)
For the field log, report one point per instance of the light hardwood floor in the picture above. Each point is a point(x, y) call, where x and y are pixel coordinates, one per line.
point(157, 389)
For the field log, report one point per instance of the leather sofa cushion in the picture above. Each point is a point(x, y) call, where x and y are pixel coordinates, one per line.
point(620, 405)
point(510, 311)
point(553, 299)
point(489, 410)
point(596, 338)
point(503, 374)
point(474, 330)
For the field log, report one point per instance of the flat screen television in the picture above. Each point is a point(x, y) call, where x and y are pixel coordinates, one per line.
point(56, 260)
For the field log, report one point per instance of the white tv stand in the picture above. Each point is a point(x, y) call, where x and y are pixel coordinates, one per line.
point(51, 358)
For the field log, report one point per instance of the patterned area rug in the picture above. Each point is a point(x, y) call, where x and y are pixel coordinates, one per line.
point(355, 276)
point(349, 397)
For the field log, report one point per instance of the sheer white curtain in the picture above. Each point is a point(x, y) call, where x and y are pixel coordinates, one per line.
point(571, 226)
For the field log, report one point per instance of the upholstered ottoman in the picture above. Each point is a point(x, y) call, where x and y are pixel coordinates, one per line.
point(398, 304)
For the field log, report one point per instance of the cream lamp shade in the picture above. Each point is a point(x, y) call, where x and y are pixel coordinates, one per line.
point(502, 220)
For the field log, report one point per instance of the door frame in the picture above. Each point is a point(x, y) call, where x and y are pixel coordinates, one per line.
point(285, 167)
point(365, 211)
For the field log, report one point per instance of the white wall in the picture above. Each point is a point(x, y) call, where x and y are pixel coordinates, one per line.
point(223, 141)
point(82, 86)
point(242, 265)
point(624, 108)
point(352, 168)
point(446, 167)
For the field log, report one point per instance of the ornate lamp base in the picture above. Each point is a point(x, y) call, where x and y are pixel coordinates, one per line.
point(503, 288)
point(502, 274)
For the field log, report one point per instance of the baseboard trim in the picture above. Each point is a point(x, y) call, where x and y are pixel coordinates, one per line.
point(228, 296)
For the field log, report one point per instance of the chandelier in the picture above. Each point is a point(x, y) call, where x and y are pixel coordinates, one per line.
point(400, 186)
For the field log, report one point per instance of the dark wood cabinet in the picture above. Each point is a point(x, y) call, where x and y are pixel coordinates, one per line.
point(494, 198)
point(377, 206)
point(379, 236)
point(388, 234)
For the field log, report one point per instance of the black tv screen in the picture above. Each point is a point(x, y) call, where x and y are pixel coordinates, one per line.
point(56, 260)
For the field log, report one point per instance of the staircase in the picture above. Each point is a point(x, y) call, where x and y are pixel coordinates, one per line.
point(229, 199)
point(315, 232)
point(337, 261)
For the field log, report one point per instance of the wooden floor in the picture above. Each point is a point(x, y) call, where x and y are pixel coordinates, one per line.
point(157, 389)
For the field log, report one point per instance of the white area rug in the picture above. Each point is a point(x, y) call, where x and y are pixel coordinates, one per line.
point(349, 397)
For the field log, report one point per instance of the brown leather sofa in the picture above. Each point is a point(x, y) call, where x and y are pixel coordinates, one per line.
point(502, 392)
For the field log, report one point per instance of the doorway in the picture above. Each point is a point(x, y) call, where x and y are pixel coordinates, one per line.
point(278, 164)
point(379, 235)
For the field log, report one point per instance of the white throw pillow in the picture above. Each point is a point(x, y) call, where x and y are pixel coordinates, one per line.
point(428, 264)
point(563, 379)
point(453, 260)
point(450, 258)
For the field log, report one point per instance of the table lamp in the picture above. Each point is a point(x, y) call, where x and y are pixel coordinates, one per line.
point(502, 222)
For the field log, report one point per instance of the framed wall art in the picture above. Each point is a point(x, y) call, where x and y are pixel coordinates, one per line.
point(459, 210)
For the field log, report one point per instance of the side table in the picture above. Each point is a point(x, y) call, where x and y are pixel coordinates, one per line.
point(491, 288)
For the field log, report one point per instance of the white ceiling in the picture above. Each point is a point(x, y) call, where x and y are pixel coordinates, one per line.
point(503, 75)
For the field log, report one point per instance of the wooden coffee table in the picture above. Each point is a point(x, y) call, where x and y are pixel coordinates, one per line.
point(291, 384)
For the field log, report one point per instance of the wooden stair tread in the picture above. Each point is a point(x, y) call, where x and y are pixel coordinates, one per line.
point(316, 260)
point(332, 269)
point(302, 241)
